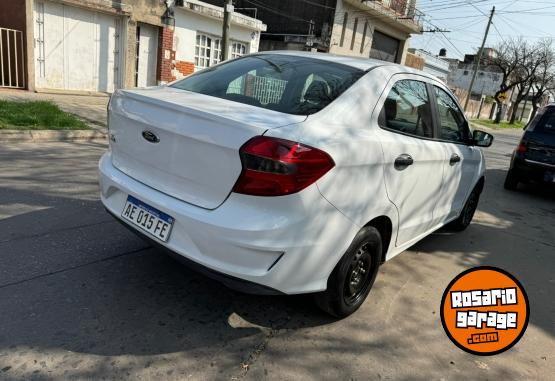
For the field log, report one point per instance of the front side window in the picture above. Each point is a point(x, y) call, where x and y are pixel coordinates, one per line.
point(289, 84)
point(452, 124)
point(407, 109)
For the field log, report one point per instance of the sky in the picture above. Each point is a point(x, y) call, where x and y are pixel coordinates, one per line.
point(467, 20)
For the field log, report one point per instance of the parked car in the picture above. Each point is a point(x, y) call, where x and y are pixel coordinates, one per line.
point(534, 158)
point(292, 172)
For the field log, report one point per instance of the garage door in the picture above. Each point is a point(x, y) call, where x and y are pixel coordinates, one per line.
point(76, 48)
point(384, 48)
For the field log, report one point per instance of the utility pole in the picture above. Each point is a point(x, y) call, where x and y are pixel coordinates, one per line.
point(525, 102)
point(228, 11)
point(477, 64)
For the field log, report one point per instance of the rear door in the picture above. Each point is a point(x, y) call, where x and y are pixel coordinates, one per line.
point(461, 160)
point(413, 161)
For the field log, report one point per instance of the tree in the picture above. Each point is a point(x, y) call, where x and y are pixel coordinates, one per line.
point(544, 80)
point(511, 61)
point(541, 57)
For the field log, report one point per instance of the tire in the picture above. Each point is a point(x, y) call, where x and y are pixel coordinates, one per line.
point(511, 181)
point(353, 277)
point(467, 213)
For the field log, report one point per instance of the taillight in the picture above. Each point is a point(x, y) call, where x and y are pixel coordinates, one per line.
point(522, 147)
point(277, 167)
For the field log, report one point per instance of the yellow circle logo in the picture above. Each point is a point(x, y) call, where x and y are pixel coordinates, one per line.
point(485, 311)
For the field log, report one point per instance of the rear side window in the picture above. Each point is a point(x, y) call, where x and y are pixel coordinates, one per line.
point(289, 84)
point(407, 109)
point(547, 122)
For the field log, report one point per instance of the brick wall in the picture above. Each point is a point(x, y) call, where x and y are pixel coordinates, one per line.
point(166, 56)
point(184, 68)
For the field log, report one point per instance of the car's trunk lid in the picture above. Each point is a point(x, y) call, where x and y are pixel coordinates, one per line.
point(193, 151)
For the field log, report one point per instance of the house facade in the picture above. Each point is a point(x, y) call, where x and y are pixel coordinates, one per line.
point(488, 79)
point(377, 29)
point(101, 45)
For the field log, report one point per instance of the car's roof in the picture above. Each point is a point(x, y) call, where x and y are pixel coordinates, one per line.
point(356, 62)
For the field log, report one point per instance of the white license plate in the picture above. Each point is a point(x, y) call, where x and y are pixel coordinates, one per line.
point(147, 218)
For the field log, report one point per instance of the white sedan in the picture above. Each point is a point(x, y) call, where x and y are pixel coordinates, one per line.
point(292, 172)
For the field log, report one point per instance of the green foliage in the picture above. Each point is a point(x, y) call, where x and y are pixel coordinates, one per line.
point(37, 115)
point(503, 124)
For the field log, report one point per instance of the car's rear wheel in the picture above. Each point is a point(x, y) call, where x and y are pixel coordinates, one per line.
point(353, 277)
point(467, 214)
point(511, 181)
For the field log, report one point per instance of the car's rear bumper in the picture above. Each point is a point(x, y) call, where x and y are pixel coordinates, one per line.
point(286, 244)
point(531, 170)
point(232, 282)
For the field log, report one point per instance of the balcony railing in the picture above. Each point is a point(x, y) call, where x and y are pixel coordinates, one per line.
point(405, 9)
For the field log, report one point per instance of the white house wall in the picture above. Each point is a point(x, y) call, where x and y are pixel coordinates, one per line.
point(188, 23)
point(486, 83)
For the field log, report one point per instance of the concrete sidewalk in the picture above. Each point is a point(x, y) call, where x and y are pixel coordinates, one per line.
point(91, 109)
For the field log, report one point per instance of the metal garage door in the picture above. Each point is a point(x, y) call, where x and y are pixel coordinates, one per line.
point(384, 47)
point(76, 48)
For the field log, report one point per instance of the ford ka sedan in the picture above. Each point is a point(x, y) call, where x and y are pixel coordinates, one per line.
point(291, 172)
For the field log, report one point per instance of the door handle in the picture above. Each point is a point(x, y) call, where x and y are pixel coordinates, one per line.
point(454, 159)
point(403, 161)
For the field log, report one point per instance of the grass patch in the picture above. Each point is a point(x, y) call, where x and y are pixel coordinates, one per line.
point(503, 124)
point(37, 115)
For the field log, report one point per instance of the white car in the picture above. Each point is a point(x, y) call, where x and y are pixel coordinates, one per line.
point(292, 172)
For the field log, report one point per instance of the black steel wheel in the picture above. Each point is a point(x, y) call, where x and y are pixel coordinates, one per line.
point(467, 214)
point(353, 277)
point(356, 280)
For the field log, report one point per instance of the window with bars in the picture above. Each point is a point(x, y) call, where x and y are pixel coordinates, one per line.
point(238, 49)
point(208, 50)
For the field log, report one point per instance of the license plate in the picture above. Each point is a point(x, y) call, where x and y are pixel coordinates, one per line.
point(147, 218)
point(549, 176)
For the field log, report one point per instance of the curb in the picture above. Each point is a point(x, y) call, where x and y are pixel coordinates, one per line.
point(16, 136)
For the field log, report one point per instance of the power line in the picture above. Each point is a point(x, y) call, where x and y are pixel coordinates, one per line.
point(479, 58)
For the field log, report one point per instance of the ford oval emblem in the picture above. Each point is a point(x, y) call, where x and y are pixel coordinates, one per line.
point(150, 136)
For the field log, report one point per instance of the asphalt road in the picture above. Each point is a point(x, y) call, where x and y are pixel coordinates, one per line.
point(82, 298)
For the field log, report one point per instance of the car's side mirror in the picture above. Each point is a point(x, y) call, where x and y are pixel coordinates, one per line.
point(481, 138)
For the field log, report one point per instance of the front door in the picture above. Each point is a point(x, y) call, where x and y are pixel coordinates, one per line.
point(147, 55)
point(461, 160)
point(413, 161)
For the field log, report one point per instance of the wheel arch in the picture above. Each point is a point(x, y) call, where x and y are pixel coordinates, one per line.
point(480, 184)
point(385, 227)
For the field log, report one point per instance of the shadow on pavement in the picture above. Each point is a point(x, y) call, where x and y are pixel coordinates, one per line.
point(138, 301)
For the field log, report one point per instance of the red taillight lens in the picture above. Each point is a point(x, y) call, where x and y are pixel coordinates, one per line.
point(522, 148)
point(276, 167)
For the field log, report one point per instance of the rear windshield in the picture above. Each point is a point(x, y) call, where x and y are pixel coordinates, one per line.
point(547, 122)
point(289, 84)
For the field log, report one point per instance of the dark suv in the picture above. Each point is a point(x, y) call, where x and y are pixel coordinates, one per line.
point(534, 158)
